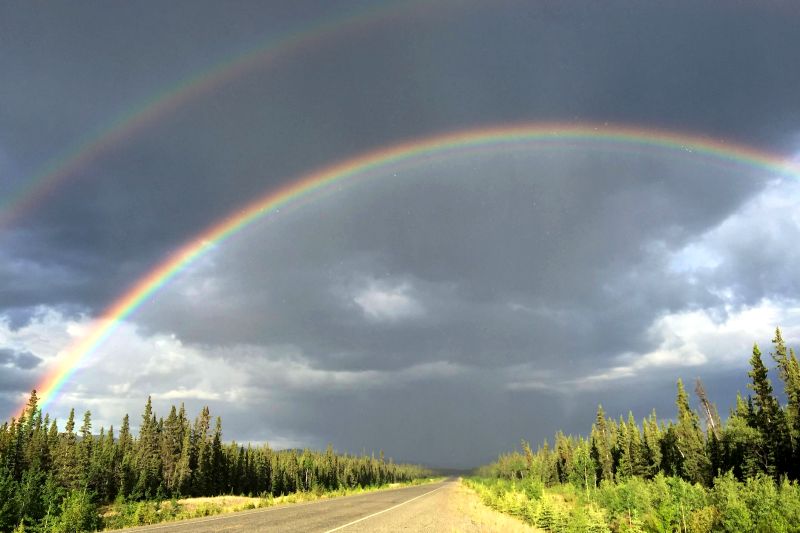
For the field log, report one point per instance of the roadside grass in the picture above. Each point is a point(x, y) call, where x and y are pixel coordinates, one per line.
point(658, 505)
point(468, 504)
point(123, 514)
point(557, 509)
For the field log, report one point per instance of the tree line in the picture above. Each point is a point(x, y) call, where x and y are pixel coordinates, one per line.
point(760, 436)
point(45, 470)
point(694, 473)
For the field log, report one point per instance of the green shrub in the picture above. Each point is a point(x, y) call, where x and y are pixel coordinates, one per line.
point(702, 520)
point(78, 513)
point(627, 502)
point(762, 498)
point(789, 504)
point(532, 488)
point(733, 514)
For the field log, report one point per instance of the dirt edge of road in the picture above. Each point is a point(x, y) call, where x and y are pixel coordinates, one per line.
point(467, 504)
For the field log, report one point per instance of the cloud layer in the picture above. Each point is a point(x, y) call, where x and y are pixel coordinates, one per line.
point(440, 310)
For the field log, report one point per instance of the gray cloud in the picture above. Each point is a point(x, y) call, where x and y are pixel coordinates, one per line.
point(20, 359)
point(431, 310)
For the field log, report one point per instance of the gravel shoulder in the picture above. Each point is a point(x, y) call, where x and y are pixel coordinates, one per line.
point(452, 508)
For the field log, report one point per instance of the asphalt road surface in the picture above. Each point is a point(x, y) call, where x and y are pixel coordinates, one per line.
point(410, 508)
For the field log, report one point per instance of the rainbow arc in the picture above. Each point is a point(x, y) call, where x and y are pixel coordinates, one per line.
point(377, 163)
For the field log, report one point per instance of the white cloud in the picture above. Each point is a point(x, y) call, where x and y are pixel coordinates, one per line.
point(382, 302)
point(183, 393)
point(758, 234)
point(693, 257)
point(701, 337)
point(45, 335)
point(130, 365)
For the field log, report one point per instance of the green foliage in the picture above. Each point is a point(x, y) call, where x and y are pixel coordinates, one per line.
point(661, 505)
point(546, 510)
point(9, 502)
point(533, 488)
point(78, 513)
point(738, 476)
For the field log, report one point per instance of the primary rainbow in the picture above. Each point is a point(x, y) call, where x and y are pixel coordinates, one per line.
point(127, 124)
point(503, 136)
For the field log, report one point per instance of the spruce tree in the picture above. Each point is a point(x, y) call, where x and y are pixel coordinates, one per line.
point(218, 472)
point(183, 469)
point(789, 372)
point(694, 463)
point(170, 449)
point(623, 458)
point(768, 419)
point(68, 470)
point(85, 450)
point(564, 456)
point(651, 446)
point(147, 461)
point(601, 446)
point(638, 458)
point(202, 480)
point(124, 470)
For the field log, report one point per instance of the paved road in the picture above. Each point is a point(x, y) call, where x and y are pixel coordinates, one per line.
point(410, 508)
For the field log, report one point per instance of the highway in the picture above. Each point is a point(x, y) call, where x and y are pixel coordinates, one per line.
point(415, 508)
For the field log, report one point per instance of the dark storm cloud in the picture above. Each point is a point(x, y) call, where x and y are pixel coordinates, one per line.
point(391, 81)
point(557, 262)
point(550, 264)
point(498, 250)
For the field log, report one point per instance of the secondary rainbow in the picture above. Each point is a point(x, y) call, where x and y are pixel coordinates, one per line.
point(159, 105)
point(462, 141)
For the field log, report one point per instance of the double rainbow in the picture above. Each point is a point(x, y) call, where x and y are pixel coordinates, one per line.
point(466, 141)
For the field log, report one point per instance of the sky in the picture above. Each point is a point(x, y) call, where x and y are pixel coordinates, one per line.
point(441, 309)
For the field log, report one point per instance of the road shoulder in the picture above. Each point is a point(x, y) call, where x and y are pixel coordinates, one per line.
point(479, 517)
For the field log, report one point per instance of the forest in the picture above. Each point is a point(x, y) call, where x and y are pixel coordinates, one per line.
point(58, 480)
point(694, 473)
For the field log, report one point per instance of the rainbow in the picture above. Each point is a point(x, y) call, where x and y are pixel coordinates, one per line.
point(125, 125)
point(520, 136)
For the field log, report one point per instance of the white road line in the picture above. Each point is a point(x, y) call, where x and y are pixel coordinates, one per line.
point(384, 511)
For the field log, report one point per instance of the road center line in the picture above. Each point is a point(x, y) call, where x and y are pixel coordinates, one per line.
point(384, 511)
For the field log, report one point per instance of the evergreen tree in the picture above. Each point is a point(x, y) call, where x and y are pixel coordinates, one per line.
point(768, 419)
point(789, 372)
point(68, 468)
point(147, 461)
point(637, 451)
point(651, 446)
point(183, 470)
point(623, 453)
point(170, 449)
point(202, 480)
point(85, 450)
point(601, 446)
point(564, 456)
point(694, 464)
point(218, 470)
point(124, 470)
